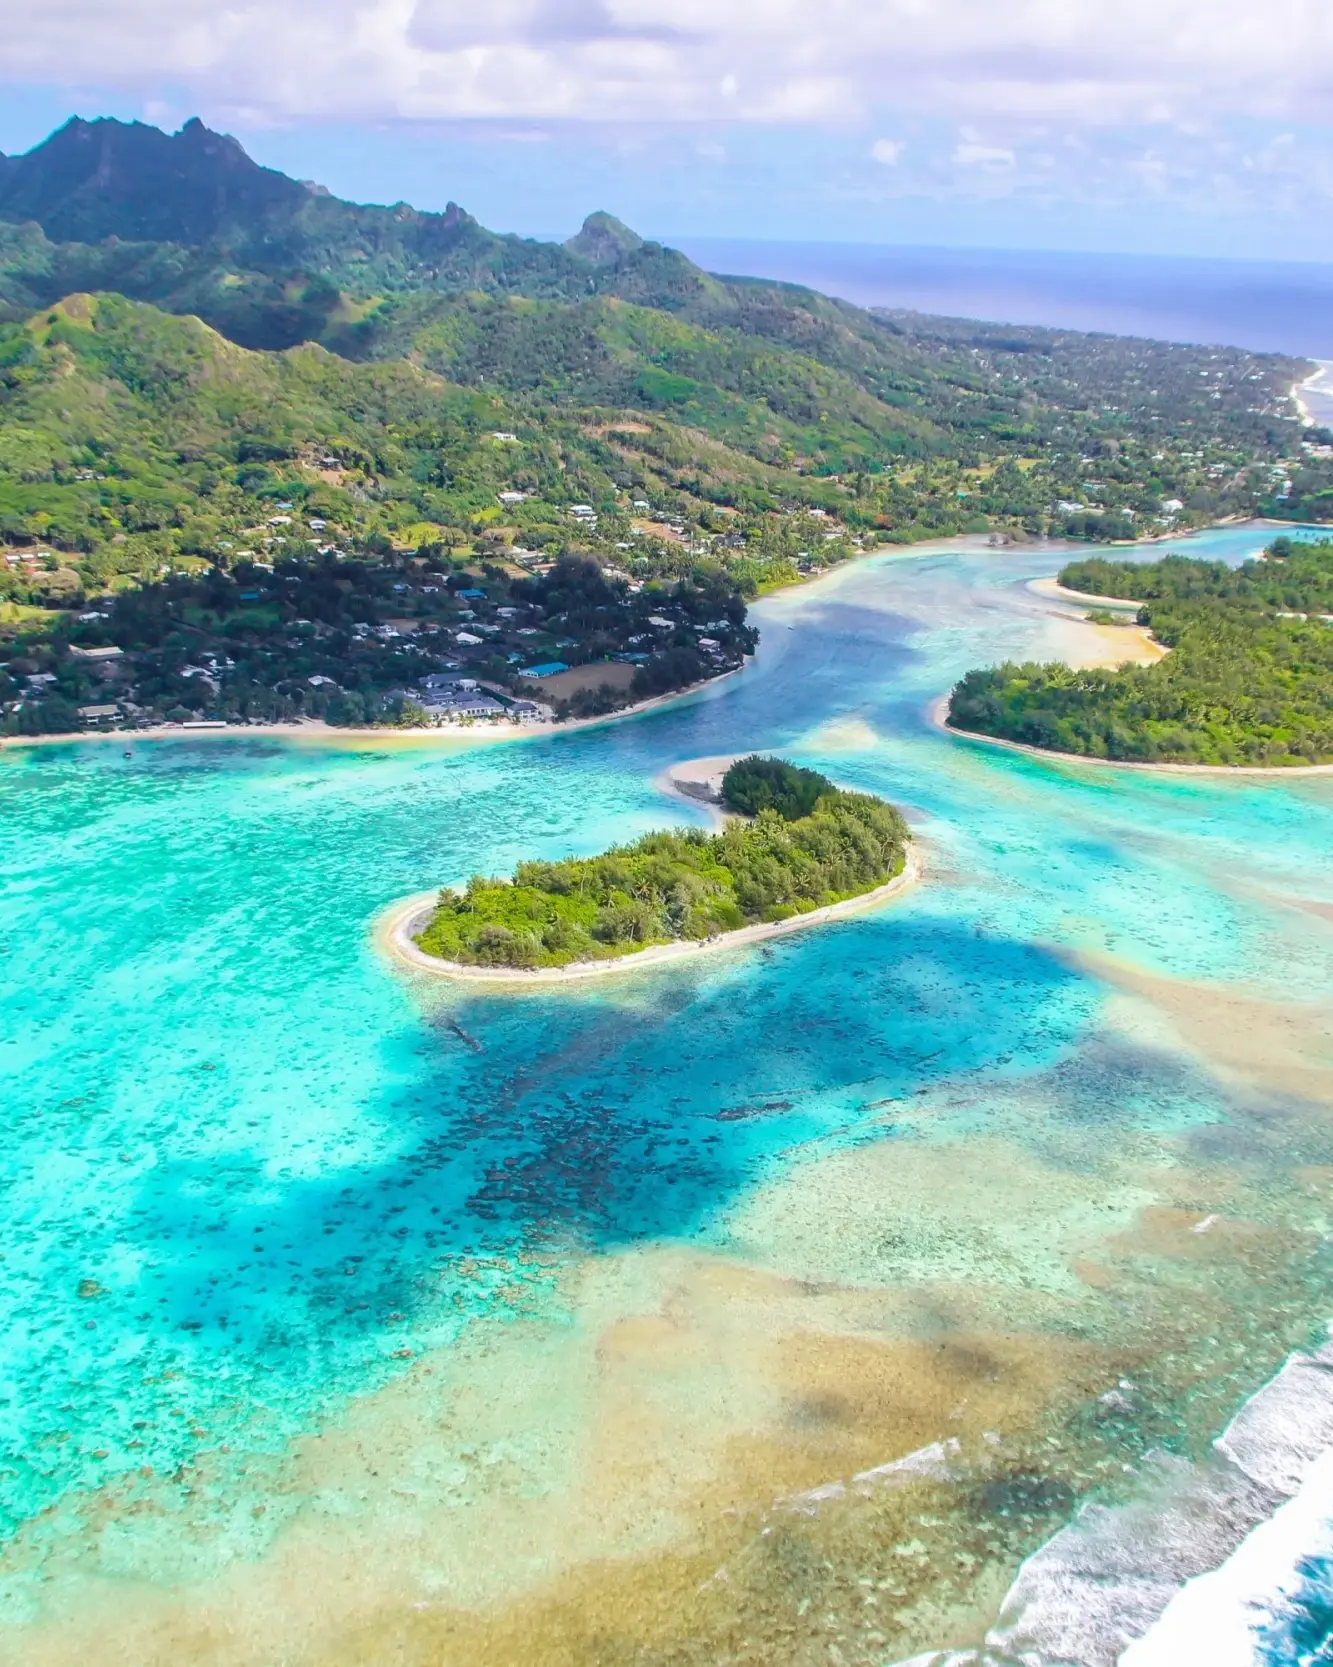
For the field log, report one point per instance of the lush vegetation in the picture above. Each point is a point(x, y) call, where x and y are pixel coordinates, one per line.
point(756, 784)
point(409, 391)
point(1249, 679)
point(671, 886)
point(753, 393)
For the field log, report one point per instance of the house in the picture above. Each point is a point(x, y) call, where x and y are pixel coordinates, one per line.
point(511, 497)
point(467, 637)
point(99, 714)
point(95, 653)
point(548, 668)
point(463, 705)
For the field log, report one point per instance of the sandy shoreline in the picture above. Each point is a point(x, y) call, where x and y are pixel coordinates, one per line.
point(938, 708)
point(1051, 590)
point(1121, 643)
point(1298, 391)
point(317, 730)
point(698, 782)
point(393, 936)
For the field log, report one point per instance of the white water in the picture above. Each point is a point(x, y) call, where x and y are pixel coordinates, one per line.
point(1198, 1570)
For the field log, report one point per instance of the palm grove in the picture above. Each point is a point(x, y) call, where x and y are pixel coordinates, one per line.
point(807, 845)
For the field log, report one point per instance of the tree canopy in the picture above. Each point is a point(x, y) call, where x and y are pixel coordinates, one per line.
point(1249, 679)
point(671, 886)
point(754, 784)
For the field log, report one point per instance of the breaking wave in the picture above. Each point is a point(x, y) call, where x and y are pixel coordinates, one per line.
point(1223, 1563)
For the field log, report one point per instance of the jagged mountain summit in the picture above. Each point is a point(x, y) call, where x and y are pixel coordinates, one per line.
point(604, 240)
point(97, 179)
point(783, 383)
point(186, 219)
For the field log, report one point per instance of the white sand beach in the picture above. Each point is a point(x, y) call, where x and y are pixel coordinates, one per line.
point(395, 929)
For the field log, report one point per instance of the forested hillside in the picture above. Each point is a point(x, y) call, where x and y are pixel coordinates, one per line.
point(205, 364)
point(928, 425)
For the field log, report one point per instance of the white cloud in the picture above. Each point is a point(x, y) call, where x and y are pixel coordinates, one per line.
point(888, 151)
point(969, 154)
point(1065, 62)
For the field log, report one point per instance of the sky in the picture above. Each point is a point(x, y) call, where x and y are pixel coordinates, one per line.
point(1146, 126)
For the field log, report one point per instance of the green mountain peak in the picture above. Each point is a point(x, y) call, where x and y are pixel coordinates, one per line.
point(604, 240)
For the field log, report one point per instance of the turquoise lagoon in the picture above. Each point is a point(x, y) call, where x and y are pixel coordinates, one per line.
point(352, 1316)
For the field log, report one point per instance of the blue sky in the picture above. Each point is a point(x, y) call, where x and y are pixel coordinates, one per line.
point(1162, 126)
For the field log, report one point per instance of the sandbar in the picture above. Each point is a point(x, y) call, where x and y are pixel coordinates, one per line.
point(1053, 590)
point(698, 782)
point(395, 928)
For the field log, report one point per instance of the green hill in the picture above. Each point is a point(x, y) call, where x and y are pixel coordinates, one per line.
point(191, 345)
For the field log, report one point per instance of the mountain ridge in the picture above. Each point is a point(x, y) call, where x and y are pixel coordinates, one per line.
point(116, 187)
point(719, 397)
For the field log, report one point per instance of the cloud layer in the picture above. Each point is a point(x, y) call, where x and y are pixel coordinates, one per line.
point(1002, 64)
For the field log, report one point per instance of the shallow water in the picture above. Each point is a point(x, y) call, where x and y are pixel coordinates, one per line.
point(349, 1317)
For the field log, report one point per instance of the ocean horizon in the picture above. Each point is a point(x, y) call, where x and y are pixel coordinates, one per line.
point(1275, 306)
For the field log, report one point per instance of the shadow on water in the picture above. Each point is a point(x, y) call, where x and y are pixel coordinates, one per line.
point(575, 1122)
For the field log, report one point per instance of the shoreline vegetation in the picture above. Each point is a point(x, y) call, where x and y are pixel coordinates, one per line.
point(520, 727)
point(1247, 683)
point(794, 850)
point(316, 729)
point(937, 716)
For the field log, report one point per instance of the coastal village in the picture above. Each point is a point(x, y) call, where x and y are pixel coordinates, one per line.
point(408, 639)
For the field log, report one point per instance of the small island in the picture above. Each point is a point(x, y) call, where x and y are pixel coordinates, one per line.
point(1247, 681)
point(795, 848)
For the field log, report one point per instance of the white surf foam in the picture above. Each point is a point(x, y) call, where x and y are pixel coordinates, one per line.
point(1221, 1617)
point(1098, 1589)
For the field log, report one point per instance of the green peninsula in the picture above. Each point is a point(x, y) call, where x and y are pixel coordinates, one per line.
point(680, 886)
point(1248, 681)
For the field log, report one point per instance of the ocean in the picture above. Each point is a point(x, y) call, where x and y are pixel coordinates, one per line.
point(882, 1289)
point(1272, 305)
